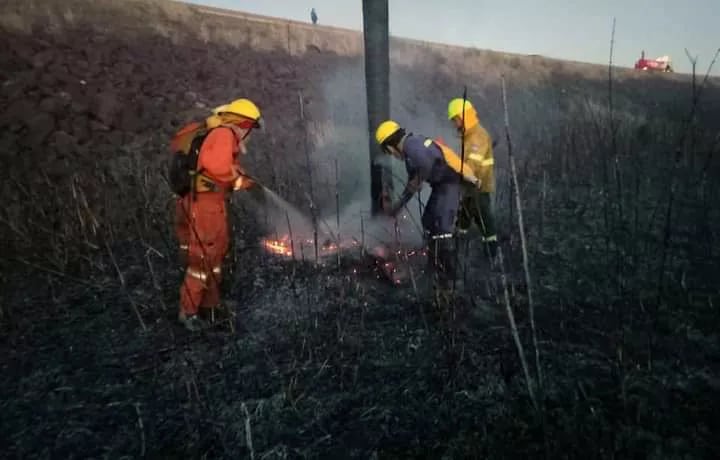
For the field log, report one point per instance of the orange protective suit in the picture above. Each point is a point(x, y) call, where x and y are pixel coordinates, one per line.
point(201, 222)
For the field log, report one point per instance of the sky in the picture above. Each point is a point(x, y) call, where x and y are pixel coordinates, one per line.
point(577, 30)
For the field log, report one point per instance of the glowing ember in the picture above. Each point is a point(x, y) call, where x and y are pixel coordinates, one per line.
point(284, 247)
point(280, 247)
point(389, 263)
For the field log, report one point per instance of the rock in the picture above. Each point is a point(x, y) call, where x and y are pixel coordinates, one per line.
point(40, 126)
point(80, 104)
point(63, 143)
point(22, 49)
point(22, 110)
point(53, 105)
point(106, 107)
point(80, 70)
point(116, 138)
point(130, 119)
point(48, 81)
point(77, 95)
point(97, 126)
point(66, 78)
point(8, 143)
point(64, 124)
point(13, 89)
point(43, 59)
point(55, 169)
point(126, 69)
point(65, 96)
point(81, 129)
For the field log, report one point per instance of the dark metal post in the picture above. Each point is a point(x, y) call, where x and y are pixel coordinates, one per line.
point(377, 86)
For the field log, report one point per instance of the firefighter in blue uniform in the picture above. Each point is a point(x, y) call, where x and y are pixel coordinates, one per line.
point(428, 161)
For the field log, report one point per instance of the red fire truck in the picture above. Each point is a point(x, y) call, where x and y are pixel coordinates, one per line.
point(661, 64)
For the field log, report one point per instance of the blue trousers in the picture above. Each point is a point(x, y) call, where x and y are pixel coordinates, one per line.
point(441, 209)
point(438, 221)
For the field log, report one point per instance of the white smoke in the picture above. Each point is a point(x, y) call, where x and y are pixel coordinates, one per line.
point(342, 137)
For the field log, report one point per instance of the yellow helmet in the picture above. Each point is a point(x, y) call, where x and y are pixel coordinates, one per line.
point(385, 130)
point(243, 107)
point(455, 108)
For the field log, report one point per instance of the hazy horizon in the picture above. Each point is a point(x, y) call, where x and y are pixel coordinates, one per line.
point(577, 31)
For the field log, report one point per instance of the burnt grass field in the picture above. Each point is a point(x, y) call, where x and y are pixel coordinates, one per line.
point(620, 210)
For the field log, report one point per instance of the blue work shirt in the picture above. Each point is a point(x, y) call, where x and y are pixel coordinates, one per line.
point(424, 162)
point(424, 159)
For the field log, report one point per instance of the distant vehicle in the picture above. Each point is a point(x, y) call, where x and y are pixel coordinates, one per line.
point(661, 64)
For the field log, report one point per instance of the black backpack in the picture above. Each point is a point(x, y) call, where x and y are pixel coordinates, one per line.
point(183, 163)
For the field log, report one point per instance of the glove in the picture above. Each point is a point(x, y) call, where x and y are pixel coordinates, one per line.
point(243, 183)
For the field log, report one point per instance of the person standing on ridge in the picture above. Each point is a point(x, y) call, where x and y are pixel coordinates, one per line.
point(201, 222)
point(477, 203)
point(427, 161)
point(313, 16)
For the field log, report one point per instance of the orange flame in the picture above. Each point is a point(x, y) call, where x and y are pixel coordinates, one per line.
point(279, 247)
point(389, 269)
point(284, 247)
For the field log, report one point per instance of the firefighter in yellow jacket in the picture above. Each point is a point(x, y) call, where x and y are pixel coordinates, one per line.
point(478, 148)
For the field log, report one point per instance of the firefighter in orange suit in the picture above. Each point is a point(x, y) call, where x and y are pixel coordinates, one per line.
point(201, 221)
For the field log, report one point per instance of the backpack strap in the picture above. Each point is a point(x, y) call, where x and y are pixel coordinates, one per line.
point(196, 173)
point(195, 146)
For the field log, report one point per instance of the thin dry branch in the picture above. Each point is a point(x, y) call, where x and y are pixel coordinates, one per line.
point(311, 198)
point(523, 239)
point(123, 286)
point(514, 331)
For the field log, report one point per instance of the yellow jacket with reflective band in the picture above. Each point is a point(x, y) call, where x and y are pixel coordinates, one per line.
point(454, 161)
point(479, 155)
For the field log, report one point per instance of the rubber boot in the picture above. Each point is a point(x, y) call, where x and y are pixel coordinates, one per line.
point(443, 266)
point(490, 251)
point(192, 323)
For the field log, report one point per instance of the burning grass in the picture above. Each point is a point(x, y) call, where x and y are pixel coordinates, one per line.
point(285, 246)
point(392, 264)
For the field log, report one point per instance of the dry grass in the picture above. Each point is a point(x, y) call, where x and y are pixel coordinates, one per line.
point(307, 374)
point(331, 363)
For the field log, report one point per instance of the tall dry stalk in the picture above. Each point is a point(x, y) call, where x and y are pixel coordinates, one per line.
point(462, 165)
point(248, 430)
point(613, 126)
point(668, 227)
point(337, 211)
point(523, 239)
point(693, 63)
point(124, 288)
point(514, 331)
point(290, 235)
point(308, 166)
point(362, 236)
point(543, 199)
point(618, 222)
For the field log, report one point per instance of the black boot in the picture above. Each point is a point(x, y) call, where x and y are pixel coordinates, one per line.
point(490, 249)
point(442, 254)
